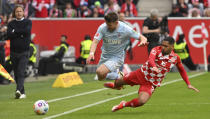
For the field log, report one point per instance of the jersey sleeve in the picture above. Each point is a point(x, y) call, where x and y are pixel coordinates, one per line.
point(152, 57)
point(133, 33)
point(98, 36)
point(182, 71)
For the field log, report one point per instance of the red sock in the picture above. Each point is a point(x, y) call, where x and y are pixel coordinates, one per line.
point(132, 103)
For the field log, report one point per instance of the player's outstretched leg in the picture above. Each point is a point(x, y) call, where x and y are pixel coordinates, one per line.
point(143, 98)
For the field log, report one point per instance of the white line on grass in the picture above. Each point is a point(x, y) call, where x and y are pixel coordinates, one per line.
point(72, 96)
point(109, 99)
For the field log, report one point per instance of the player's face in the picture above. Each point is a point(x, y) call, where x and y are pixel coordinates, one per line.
point(166, 47)
point(112, 25)
point(19, 13)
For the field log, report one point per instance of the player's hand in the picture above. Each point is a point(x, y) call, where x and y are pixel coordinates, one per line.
point(143, 41)
point(193, 88)
point(155, 69)
point(90, 58)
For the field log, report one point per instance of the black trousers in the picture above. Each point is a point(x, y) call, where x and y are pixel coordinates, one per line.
point(19, 62)
point(189, 63)
point(81, 60)
point(43, 65)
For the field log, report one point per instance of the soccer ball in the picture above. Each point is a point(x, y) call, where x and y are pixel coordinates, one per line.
point(41, 107)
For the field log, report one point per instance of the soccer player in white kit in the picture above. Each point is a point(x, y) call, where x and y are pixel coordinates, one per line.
point(115, 35)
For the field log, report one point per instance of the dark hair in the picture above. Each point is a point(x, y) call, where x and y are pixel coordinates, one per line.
point(87, 37)
point(111, 17)
point(17, 6)
point(64, 36)
point(170, 40)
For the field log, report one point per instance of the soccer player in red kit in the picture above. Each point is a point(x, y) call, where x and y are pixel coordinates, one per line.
point(150, 75)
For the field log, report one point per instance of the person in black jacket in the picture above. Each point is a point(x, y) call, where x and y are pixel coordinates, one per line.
point(57, 57)
point(19, 33)
point(151, 29)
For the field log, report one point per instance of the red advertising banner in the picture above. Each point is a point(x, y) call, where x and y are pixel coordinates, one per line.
point(48, 34)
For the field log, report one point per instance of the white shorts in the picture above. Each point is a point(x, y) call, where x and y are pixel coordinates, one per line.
point(112, 64)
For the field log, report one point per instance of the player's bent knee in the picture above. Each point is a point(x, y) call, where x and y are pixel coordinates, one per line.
point(101, 75)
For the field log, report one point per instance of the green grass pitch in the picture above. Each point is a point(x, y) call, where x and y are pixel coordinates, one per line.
point(172, 101)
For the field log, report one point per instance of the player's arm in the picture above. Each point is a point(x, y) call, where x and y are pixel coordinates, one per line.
point(140, 37)
point(147, 30)
point(92, 50)
point(151, 60)
point(183, 74)
point(143, 41)
point(98, 36)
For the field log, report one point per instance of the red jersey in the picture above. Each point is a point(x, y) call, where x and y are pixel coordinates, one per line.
point(164, 63)
point(42, 7)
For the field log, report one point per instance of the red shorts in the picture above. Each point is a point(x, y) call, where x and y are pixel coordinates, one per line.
point(137, 78)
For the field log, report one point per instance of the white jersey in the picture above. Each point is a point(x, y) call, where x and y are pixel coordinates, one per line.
point(115, 42)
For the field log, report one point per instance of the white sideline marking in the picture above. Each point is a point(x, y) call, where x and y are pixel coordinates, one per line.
point(72, 96)
point(109, 99)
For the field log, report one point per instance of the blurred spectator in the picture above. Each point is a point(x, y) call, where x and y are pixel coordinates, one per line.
point(29, 9)
point(111, 6)
point(84, 11)
point(181, 48)
point(207, 12)
point(62, 4)
point(95, 13)
point(206, 3)
point(4, 20)
point(196, 4)
point(84, 50)
point(55, 12)
point(135, 2)
point(194, 12)
point(69, 11)
point(175, 11)
point(78, 3)
point(129, 9)
point(42, 7)
point(7, 6)
point(151, 29)
point(183, 8)
point(91, 3)
point(97, 5)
